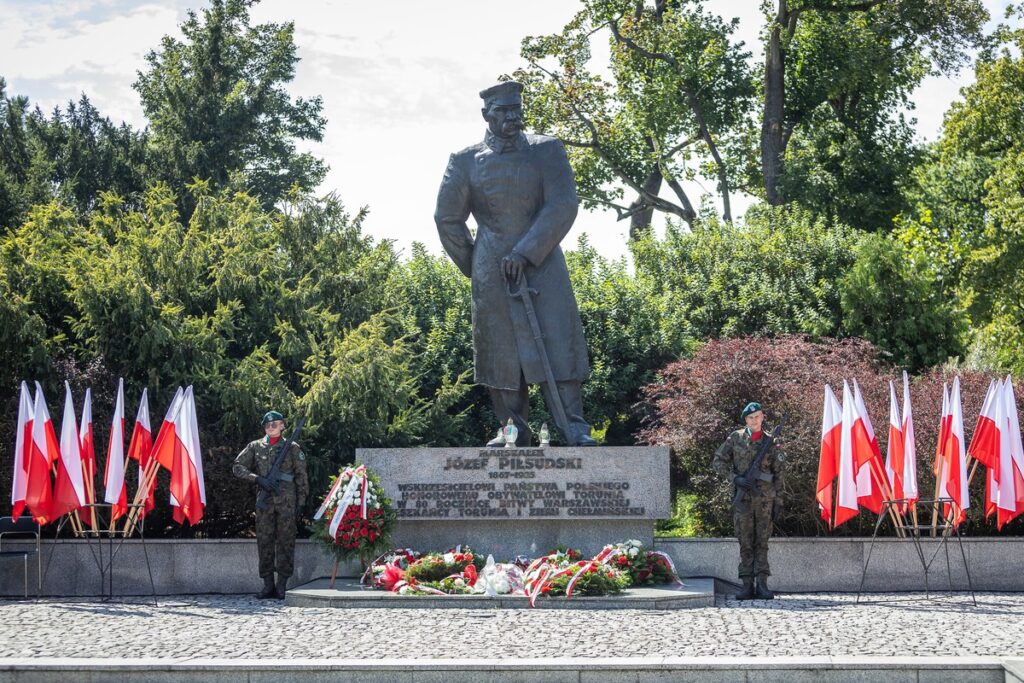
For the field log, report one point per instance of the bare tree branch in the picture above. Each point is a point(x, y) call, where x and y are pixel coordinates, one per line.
point(622, 212)
point(631, 44)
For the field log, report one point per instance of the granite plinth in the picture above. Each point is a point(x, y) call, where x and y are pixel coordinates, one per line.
point(348, 593)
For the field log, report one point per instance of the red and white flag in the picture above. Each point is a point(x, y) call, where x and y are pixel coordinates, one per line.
point(43, 451)
point(22, 440)
point(1009, 498)
point(188, 489)
point(114, 490)
point(953, 466)
point(88, 451)
point(828, 459)
point(985, 441)
point(164, 444)
point(867, 457)
point(909, 446)
point(140, 447)
point(846, 487)
point(894, 456)
point(69, 489)
point(944, 422)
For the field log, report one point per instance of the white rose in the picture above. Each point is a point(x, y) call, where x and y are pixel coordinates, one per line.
point(448, 558)
point(460, 583)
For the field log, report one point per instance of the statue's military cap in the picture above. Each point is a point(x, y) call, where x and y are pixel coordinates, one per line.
point(509, 92)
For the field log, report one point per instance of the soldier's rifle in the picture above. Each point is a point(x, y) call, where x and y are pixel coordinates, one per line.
point(754, 472)
point(275, 475)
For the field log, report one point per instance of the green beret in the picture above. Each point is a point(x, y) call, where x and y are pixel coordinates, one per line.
point(751, 407)
point(271, 416)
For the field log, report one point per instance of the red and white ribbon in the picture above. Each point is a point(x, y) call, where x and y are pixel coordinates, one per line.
point(586, 567)
point(356, 482)
point(671, 565)
point(330, 494)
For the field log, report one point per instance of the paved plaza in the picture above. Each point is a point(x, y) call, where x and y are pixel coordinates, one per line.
point(232, 627)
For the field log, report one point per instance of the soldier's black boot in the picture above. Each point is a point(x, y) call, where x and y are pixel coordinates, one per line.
point(748, 589)
point(268, 588)
point(761, 589)
point(282, 586)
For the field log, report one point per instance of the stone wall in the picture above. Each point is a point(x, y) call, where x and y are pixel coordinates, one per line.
point(798, 564)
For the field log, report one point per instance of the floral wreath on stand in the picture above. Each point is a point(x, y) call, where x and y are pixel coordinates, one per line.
point(355, 519)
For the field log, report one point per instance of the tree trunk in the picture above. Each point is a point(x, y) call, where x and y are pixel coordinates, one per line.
point(641, 220)
point(772, 139)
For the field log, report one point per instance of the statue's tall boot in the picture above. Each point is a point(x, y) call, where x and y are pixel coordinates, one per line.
point(747, 593)
point(282, 586)
point(761, 590)
point(268, 588)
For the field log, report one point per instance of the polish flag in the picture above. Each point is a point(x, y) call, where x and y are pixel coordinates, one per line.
point(993, 473)
point(867, 457)
point(1010, 501)
point(163, 446)
point(909, 446)
point(42, 451)
point(140, 447)
point(985, 441)
point(114, 490)
point(953, 475)
point(944, 422)
point(188, 489)
point(88, 451)
point(895, 462)
point(828, 460)
point(846, 487)
point(69, 490)
point(22, 440)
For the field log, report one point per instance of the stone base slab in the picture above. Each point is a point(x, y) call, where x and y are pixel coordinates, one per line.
point(348, 593)
point(506, 539)
point(568, 670)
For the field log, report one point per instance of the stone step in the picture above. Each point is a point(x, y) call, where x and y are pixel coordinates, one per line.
point(348, 593)
point(569, 670)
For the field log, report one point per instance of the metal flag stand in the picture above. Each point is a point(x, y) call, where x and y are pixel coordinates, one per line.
point(111, 538)
point(912, 530)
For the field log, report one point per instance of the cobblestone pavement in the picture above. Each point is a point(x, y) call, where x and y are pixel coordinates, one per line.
point(241, 627)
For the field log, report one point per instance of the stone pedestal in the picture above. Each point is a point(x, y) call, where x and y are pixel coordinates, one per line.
point(523, 501)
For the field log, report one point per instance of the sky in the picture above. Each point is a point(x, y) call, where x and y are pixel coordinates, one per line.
point(399, 81)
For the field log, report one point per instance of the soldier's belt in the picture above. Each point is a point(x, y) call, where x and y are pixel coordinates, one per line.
point(765, 476)
point(285, 477)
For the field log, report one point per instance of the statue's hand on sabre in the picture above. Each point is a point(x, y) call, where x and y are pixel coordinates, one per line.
point(513, 266)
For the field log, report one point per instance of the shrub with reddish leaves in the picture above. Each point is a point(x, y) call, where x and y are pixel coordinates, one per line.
point(697, 402)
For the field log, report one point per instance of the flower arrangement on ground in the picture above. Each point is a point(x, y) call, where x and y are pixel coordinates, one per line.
point(355, 518)
point(456, 572)
point(557, 574)
point(645, 567)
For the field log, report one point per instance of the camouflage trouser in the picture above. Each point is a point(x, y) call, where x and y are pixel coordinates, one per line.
point(753, 529)
point(275, 538)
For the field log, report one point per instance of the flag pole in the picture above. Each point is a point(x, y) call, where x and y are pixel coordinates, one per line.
point(883, 483)
point(935, 498)
point(141, 494)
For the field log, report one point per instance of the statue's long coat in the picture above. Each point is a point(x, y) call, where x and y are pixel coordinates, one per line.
point(523, 198)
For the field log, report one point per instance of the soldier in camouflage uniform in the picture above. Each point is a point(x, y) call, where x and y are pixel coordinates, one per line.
point(753, 520)
point(275, 526)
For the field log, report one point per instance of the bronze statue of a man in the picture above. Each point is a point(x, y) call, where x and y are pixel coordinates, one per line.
point(521, 191)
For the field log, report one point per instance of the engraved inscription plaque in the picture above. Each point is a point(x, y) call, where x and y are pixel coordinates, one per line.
point(524, 483)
